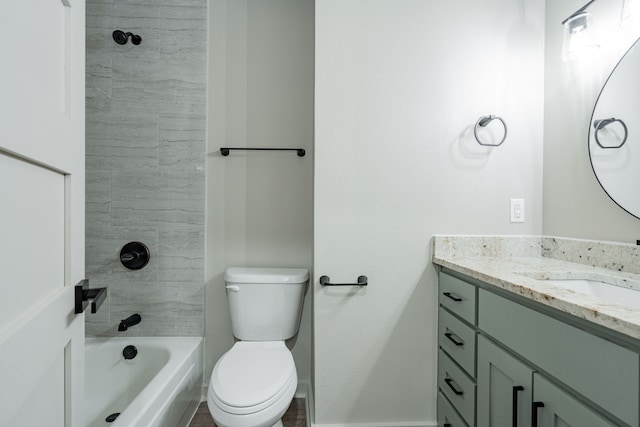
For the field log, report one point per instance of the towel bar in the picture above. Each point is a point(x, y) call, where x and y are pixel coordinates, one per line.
point(225, 150)
point(326, 281)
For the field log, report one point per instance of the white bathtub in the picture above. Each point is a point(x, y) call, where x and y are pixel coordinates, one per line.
point(160, 387)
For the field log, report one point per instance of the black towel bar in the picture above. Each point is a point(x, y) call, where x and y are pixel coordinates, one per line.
point(326, 281)
point(225, 150)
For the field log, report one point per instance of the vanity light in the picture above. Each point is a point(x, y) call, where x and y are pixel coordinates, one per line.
point(579, 40)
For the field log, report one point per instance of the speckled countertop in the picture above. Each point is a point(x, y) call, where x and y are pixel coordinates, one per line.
point(520, 263)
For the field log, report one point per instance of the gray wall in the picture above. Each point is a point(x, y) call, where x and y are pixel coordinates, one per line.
point(574, 203)
point(399, 86)
point(259, 204)
point(145, 158)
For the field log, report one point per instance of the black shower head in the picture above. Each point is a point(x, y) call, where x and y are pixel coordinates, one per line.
point(121, 37)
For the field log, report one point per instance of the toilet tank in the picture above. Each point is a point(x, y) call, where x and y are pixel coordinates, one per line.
point(265, 303)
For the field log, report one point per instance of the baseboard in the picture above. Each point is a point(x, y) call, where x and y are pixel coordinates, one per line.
point(308, 401)
point(205, 388)
point(399, 424)
point(311, 418)
point(304, 391)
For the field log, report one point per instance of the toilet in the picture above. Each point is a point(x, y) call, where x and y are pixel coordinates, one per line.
point(253, 383)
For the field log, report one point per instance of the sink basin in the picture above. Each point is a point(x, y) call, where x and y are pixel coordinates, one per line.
point(601, 290)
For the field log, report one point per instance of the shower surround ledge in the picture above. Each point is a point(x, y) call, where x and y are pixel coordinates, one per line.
point(517, 263)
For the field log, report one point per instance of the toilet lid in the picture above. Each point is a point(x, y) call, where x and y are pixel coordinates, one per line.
point(252, 372)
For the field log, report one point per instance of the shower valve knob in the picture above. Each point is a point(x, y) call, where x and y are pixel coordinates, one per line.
point(134, 255)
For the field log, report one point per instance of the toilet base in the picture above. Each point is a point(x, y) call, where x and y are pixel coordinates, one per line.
point(278, 424)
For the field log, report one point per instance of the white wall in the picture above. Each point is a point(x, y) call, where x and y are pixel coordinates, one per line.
point(259, 205)
point(574, 203)
point(399, 85)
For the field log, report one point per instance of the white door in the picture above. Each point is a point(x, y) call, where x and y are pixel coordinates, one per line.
point(41, 212)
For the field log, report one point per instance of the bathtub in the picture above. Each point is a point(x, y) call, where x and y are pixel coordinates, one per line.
point(160, 387)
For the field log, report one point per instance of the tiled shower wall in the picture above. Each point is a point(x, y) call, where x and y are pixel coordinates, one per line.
point(145, 157)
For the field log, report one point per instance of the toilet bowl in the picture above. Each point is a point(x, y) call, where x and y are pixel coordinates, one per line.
point(252, 385)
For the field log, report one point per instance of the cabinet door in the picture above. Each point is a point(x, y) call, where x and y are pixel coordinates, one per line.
point(552, 407)
point(504, 388)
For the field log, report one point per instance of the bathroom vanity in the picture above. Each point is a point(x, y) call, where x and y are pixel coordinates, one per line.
point(531, 335)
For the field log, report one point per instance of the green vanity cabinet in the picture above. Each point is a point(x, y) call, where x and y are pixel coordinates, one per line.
point(554, 407)
point(597, 369)
point(509, 392)
point(504, 387)
point(522, 364)
point(457, 335)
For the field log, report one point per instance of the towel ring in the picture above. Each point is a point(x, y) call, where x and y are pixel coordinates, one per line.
point(483, 122)
point(598, 125)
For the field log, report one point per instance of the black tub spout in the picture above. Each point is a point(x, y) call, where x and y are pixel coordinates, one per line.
point(134, 319)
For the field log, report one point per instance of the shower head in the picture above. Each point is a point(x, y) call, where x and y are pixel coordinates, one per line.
point(121, 37)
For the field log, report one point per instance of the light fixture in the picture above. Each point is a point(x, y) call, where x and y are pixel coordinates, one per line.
point(579, 38)
point(630, 15)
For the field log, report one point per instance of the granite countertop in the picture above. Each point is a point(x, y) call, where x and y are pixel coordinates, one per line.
point(519, 264)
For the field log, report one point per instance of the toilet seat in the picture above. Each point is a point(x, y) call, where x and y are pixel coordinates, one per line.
point(252, 376)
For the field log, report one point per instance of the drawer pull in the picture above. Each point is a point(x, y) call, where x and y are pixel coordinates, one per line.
point(450, 383)
point(447, 425)
point(454, 339)
point(534, 413)
point(514, 402)
point(452, 296)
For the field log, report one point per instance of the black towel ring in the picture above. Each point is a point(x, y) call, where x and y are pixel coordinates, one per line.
point(483, 122)
point(598, 125)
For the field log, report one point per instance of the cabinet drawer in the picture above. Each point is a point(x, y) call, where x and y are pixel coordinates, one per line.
point(600, 370)
point(458, 296)
point(457, 387)
point(458, 340)
point(447, 416)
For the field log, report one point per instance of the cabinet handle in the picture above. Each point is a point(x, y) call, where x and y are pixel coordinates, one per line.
point(452, 296)
point(450, 383)
point(447, 425)
point(514, 402)
point(457, 341)
point(534, 413)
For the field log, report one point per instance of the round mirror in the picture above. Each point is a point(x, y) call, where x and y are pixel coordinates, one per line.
point(614, 133)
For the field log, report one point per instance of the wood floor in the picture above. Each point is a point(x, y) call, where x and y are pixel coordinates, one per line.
point(294, 417)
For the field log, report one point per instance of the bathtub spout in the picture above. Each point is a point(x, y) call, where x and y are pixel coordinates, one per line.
point(134, 319)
